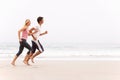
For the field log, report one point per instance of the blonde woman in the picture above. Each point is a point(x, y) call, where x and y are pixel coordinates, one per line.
point(22, 36)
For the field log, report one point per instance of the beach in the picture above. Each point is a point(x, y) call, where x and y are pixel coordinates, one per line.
point(70, 62)
point(61, 70)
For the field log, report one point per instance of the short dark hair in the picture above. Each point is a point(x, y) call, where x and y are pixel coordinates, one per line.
point(39, 19)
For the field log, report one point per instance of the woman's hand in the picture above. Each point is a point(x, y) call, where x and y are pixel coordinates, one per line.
point(20, 40)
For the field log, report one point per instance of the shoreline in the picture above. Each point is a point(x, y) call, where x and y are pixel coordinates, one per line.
point(74, 58)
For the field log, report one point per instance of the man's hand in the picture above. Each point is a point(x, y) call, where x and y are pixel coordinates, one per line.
point(46, 32)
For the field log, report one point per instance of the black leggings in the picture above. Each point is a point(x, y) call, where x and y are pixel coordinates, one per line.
point(23, 44)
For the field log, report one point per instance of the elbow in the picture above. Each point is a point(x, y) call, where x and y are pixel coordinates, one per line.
point(18, 31)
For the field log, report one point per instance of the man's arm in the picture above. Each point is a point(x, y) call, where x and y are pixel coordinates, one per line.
point(43, 33)
point(32, 31)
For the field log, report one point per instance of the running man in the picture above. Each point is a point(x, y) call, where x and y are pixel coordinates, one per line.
point(35, 42)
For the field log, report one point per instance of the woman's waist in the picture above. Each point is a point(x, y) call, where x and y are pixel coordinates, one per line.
point(23, 39)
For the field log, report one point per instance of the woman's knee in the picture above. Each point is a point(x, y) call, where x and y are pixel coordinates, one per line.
point(18, 54)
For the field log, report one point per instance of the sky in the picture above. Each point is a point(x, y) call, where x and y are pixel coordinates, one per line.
point(78, 21)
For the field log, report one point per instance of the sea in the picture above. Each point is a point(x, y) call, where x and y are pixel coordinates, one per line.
point(66, 51)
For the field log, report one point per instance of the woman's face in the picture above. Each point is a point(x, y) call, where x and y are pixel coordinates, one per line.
point(29, 23)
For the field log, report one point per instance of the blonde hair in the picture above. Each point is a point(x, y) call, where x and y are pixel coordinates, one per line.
point(27, 21)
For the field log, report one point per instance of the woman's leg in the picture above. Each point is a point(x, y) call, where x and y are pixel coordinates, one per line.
point(17, 55)
point(33, 49)
point(13, 62)
point(26, 45)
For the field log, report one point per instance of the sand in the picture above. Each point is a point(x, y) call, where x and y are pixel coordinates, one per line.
point(61, 70)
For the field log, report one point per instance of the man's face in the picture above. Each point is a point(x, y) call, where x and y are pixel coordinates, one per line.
point(42, 21)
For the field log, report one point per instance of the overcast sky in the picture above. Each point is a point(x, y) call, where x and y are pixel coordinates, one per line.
point(83, 21)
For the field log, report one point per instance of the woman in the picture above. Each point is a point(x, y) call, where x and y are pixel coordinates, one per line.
point(22, 40)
